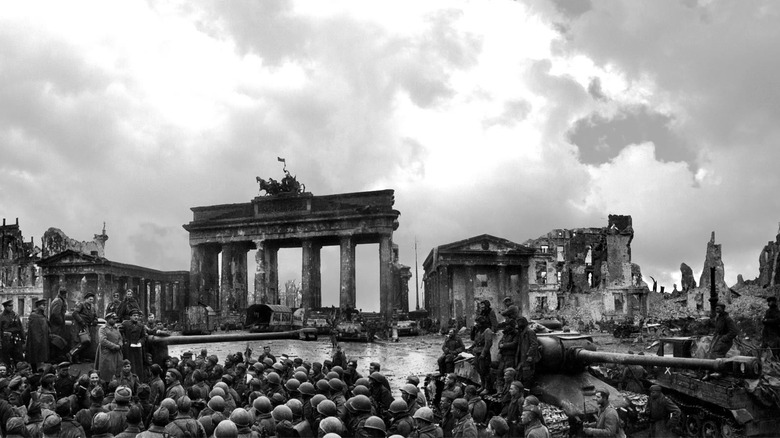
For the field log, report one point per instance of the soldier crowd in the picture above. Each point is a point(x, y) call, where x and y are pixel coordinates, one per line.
point(195, 396)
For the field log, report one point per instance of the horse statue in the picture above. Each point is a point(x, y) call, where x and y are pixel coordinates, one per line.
point(288, 185)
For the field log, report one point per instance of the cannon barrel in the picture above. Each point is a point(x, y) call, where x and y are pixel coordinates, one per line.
point(158, 345)
point(574, 352)
point(742, 366)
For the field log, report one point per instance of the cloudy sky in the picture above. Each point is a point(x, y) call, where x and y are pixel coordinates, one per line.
point(493, 116)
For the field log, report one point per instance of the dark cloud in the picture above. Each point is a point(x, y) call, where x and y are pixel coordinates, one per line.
point(600, 139)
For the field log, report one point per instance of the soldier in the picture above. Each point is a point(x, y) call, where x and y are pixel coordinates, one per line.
point(38, 336)
point(134, 333)
point(464, 425)
point(65, 382)
point(664, 414)
point(113, 306)
point(483, 342)
point(128, 306)
point(86, 322)
point(507, 346)
point(532, 421)
point(59, 306)
point(512, 312)
point(12, 334)
point(452, 346)
point(770, 335)
point(109, 358)
point(527, 354)
point(725, 330)
point(607, 421)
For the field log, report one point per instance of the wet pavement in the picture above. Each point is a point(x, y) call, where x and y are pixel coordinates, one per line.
point(413, 355)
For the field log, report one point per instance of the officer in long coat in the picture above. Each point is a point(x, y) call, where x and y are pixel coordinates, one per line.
point(38, 336)
point(134, 332)
point(109, 356)
point(12, 335)
point(57, 309)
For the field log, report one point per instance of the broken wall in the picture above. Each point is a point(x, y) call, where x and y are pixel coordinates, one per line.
point(54, 241)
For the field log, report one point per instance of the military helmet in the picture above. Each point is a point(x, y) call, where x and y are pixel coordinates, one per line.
point(327, 408)
point(410, 389)
point(295, 406)
point(361, 403)
point(292, 385)
point(226, 429)
point(317, 399)
point(360, 389)
point(307, 388)
point(241, 417)
point(331, 425)
point(398, 406)
point(262, 404)
point(274, 378)
point(282, 412)
point(424, 413)
point(376, 423)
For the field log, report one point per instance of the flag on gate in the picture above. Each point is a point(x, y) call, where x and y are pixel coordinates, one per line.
point(280, 159)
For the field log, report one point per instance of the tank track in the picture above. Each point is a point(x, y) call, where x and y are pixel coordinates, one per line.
point(699, 415)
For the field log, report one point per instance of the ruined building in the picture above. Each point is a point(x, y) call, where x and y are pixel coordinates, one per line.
point(769, 263)
point(574, 266)
point(698, 297)
point(20, 278)
point(81, 267)
point(458, 275)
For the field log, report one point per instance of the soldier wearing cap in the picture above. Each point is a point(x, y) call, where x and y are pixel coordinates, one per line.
point(65, 382)
point(38, 335)
point(512, 312)
point(86, 322)
point(12, 334)
point(134, 333)
point(532, 421)
point(109, 359)
point(128, 306)
point(664, 414)
point(464, 424)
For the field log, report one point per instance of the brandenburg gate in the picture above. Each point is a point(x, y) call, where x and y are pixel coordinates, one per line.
point(288, 219)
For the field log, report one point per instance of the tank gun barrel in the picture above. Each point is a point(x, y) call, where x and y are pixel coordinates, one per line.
point(222, 337)
point(742, 366)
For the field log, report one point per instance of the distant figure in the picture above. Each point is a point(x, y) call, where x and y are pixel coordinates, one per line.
point(488, 312)
point(607, 421)
point(128, 306)
point(451, 348)
point(113, 306)
point(86, 322)
point(109, 358)
point(770, 335)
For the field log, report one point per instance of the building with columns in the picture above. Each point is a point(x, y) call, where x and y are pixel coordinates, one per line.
point(459, 275)
point(289, 220)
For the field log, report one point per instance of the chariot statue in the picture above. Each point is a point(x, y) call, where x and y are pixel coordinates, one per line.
point(289, 185)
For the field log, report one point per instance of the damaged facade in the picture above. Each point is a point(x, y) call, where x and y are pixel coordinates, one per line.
point(20, 278)
point(697, 298)
point(769, 263)
point(81, 267)
point(587, 266)
point(461, 274)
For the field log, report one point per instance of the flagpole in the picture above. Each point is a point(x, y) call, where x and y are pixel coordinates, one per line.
point(416, 275)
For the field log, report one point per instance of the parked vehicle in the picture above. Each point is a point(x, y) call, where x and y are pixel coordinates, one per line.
point(268, 318)
point(317, 319)
point(406, 326)
point(199, 320)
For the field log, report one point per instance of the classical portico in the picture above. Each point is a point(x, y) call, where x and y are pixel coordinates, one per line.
point(305, 221)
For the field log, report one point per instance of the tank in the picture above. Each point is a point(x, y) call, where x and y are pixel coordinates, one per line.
point(566, 387)
point(729, 404)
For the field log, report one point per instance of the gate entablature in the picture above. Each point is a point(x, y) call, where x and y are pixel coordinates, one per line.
point(268, 223)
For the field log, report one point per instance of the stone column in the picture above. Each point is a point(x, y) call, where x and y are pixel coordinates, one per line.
point(468, 296)
point(234, 277)
point(261, 272)
point(204, 275)
point(503, 289)
point(310, 275)
point(103, 294)
point(385, 275)
point(272, 261)
point(347, 296)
